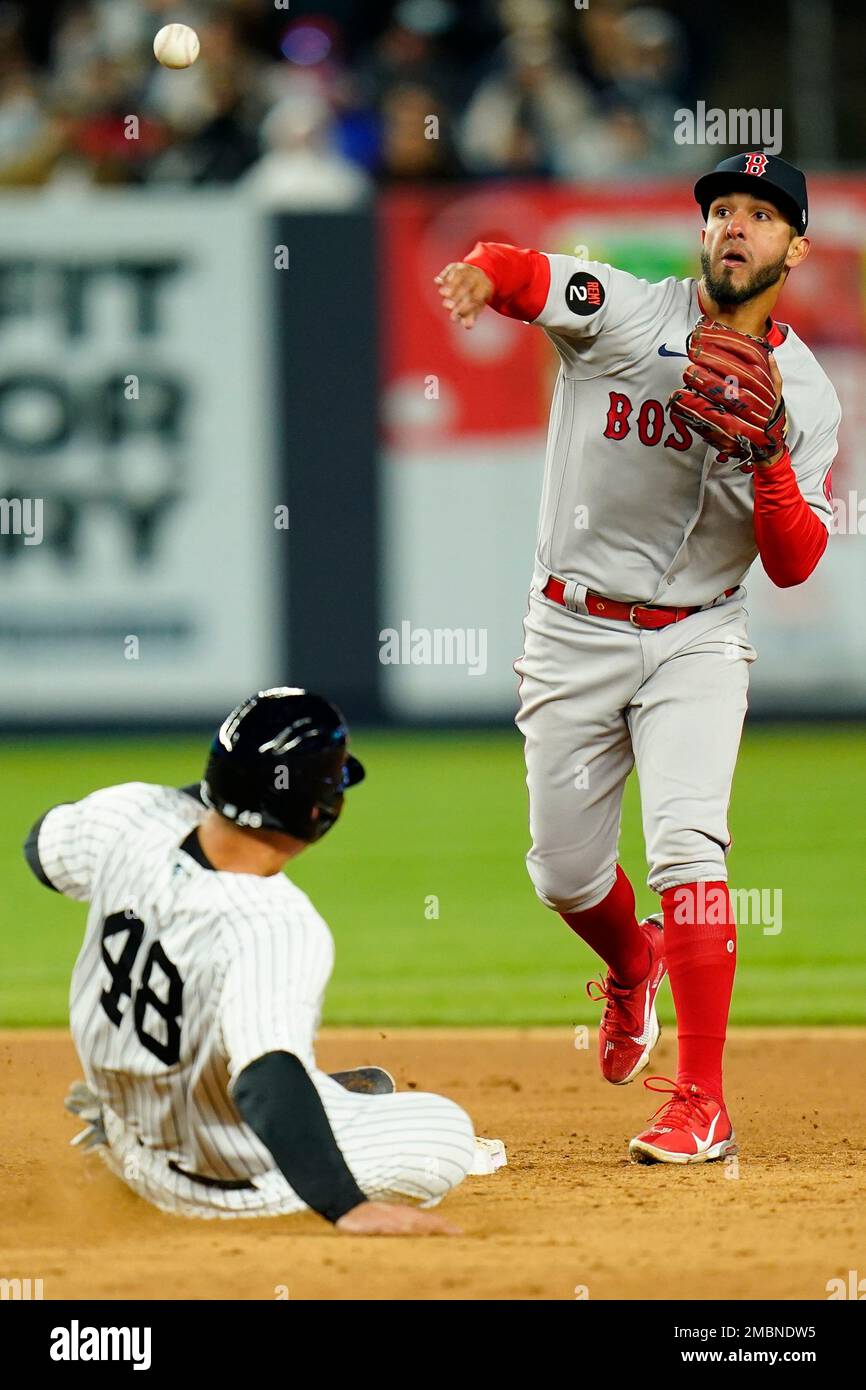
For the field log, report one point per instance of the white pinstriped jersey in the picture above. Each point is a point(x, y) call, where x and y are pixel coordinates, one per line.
point(185, 975)
point(633, 505)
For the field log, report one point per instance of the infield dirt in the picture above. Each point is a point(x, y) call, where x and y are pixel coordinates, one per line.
point(570, 1212)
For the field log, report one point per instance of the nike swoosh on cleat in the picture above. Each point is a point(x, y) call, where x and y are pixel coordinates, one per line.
point(667, 352)
point(701, 1145)
point(643, 1037)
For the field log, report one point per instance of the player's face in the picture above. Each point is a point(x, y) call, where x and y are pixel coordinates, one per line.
point(747, 246)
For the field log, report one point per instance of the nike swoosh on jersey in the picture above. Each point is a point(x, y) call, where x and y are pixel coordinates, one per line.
point(666, 352)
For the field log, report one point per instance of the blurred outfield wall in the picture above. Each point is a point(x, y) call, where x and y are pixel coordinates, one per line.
point(188, 400)
point(199, 422)
point(134, 414)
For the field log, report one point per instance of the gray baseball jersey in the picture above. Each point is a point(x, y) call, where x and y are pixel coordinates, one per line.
point(633, 505)
point(636, 507)
point(185, 976)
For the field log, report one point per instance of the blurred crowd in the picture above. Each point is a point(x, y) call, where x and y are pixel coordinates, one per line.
point(313, 105)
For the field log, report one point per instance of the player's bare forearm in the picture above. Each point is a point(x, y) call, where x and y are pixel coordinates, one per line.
point(768, 463)
point(464, 289)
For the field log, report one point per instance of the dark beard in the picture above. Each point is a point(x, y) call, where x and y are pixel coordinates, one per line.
point(722, 289)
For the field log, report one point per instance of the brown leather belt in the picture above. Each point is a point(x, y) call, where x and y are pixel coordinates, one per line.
point(638, 614)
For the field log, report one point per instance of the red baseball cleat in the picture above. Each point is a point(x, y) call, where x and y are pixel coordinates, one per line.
point(629, 1028)
point(691, 1127)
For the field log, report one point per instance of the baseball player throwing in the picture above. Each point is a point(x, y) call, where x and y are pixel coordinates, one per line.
point(673, 460)
point(198, 990)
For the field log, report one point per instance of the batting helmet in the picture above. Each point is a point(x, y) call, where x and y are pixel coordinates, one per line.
point(280, 761)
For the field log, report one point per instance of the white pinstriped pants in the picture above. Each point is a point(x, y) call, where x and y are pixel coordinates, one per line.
point(409, 1145)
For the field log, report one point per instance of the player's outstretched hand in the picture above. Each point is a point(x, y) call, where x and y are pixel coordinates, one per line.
point(465, 289)
point(391, 1219)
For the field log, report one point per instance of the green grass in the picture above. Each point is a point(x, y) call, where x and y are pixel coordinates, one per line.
point(441, 821)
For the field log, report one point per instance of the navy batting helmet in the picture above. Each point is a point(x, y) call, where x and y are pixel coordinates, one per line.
point(280, 761)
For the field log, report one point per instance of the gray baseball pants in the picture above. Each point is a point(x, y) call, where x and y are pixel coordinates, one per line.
point(598, 697)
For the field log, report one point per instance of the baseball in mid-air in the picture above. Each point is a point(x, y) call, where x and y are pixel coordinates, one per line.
point(176, 46)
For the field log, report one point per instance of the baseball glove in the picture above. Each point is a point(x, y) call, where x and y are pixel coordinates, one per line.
point(728, 397)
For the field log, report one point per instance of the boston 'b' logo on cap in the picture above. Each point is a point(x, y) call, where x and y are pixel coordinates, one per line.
point(584, 293)
point(755, 164)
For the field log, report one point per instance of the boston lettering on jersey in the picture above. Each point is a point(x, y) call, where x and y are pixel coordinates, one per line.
point(650, 423)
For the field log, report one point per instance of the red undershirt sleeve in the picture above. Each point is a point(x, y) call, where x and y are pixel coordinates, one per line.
point(521, 278)
point(791, 538)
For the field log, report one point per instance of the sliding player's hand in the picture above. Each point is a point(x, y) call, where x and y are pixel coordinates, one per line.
point(391, 1219)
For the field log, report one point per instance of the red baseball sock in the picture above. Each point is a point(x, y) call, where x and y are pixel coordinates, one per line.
point(612, 930)
point(701, 955)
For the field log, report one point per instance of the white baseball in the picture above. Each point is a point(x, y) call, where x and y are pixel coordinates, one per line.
point(176, 46)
